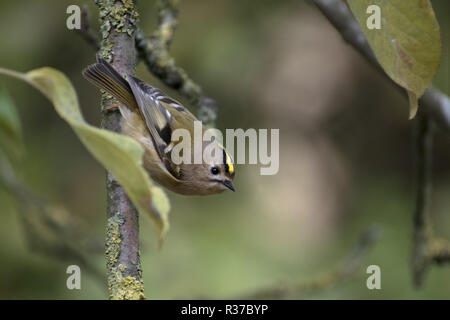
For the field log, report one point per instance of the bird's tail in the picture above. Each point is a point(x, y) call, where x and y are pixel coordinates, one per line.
point(104, 76)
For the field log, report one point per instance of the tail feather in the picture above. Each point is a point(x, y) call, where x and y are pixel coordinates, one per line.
point(104, 76)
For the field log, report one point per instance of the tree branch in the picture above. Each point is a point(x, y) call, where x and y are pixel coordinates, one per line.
point(427, 248)
point(347, 269)
point(422, 231)
point(85, 31)
point(49, 229)
point(435, 106)
point(155, 53)
point(433, 102)
point(118, 25)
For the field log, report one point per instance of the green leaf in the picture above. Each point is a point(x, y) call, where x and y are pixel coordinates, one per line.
point(11, 139)
point(119, 154)
point(408, 45)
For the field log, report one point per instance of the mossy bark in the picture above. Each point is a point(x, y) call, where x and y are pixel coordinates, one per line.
point(118, 26)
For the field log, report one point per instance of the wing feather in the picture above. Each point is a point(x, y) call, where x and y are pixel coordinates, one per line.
point(156, 118)
point(104, 76)
point(160, 113)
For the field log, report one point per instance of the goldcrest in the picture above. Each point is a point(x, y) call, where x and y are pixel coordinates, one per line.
point(150, 117)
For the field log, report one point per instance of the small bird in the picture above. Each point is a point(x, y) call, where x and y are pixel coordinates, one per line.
point(150, 117)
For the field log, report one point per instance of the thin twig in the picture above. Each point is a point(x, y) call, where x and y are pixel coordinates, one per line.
point(427, 247)
point(85, 32)
point(50, 230)
point(346, 270)
point(155, 53)
point(422, 229)
point(433, 102)
point(435, 106)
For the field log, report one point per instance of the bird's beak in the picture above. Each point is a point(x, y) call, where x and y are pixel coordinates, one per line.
point(228, 184)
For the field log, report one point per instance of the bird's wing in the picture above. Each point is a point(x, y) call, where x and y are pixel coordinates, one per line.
point(137, 95)
point(156, 117)
point(159, 120)
point(104, 76)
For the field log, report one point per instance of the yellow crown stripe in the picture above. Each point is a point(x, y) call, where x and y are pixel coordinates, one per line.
point(230, 163)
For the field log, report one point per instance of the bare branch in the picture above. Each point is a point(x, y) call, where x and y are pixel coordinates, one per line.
point(49, 229)
point(422, 231)
point(155, 53)
point(433, 102)
point(85, 32)
point(427, 248)
point(435, 106)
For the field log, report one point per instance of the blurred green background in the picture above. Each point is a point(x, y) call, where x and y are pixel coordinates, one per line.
point(346, 157)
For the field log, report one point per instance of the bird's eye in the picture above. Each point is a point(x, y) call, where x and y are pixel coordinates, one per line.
point(215, 170)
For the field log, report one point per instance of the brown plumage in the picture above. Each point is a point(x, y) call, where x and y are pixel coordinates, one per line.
point(150, 117)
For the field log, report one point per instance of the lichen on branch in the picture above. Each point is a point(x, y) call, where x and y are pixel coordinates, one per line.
point(118, 26)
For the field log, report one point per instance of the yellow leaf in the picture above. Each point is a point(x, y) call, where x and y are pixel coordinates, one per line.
point(408, 44)
point(119, 154)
